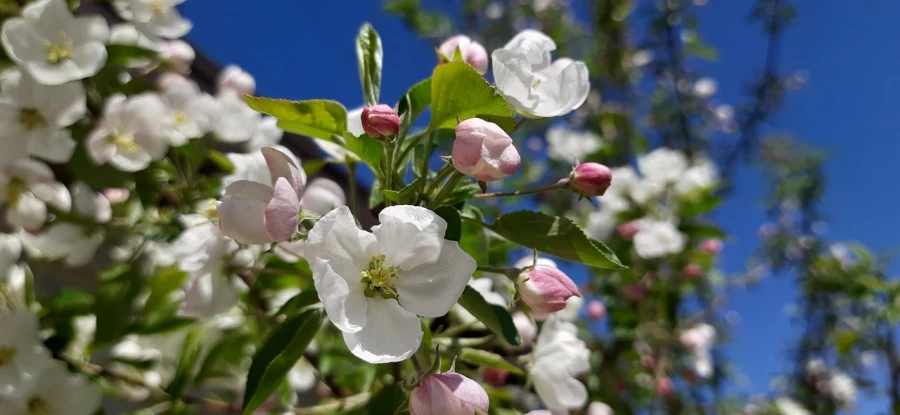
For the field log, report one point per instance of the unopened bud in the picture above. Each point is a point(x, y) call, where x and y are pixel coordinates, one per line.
point(495, 377)
point(233, 78)
point(484, 151)
point(711, 246)
point(596, 310)
point(447, 394)
point(591, 179)
point(627, 230)
point(693, 271)
point(647, 361)
point(380, 120)
point(116, 194)
point(545, 289)
point(472, 52)
point(664, 387)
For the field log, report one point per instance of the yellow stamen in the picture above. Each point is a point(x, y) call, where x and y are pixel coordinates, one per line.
point(158, 7)
point(124, 141)
point(180, 118)
point(7, 354)
point(61, 51)
point(379, 277)
point(14, 189)
point(30, 118)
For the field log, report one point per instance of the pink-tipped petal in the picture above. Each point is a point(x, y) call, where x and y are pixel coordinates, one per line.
point(283, 212)
point(280, 165)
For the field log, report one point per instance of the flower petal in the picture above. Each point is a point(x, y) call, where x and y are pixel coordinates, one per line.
point(409, 236)
point(336, 237)
point(343, 300)
point(559, 390)
point(391, 334)
point(283, 212)
point(280, 165)
point(434, 397)
point(431, 289)
point(563, 93)
point(242, 212)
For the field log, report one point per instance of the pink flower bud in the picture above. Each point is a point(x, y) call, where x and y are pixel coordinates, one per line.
point(495, 377)
point(116, 194)
point(627, 230)
point(483, 150)
point(180, 54)
point(526, 328)
point(169, 79)
point(596, 310)
point(711, 246)
point(233, 78)
point(647, 361)
point(664, 387)
point(545, 289)
point(254, 213)
point(591, 179)
point(693, 271)
point(380, 120)
point(447, 394)
point(472, 52)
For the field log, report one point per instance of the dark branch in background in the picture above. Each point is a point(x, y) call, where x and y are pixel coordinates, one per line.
point(672, 13)
point(768, 91)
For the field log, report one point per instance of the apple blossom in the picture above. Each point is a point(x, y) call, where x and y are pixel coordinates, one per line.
point(616, 198)
point(447, 394)
point(22, 355)
point(323, 195)
point(705, 87)
point(545, 289)
point(116, 195)
point(559, 357)
point(130, 135)
point(663, 165)
point(471, 51)
point(127, 34)
point(591, 179)
point(711, 246)
point(843, 388)
point(599, 408)
point(154, 17)
point(698, 340)
point(569, 145)
point(255, 212)
point(701, 174)
point(380, 120)
point(54, 46)
point(788, 406)
point(253, 166)
point(34, 117)
point(596, 310)
point(179, 54)
point(407, 269)
point(234, 79)
point(657, 239)
point(483, 150)
point(10, 251)
point(526, 328)
point(231, 119)
point(533, 84)
point(188, 108)
point(201, 251)
point(664, 387)
point(29, 186)
point(267, 134)
point(601, 224)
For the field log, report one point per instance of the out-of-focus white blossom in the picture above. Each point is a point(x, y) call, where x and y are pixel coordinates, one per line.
point(657, 239)
point(571, 146)
point(788, 406)
point(705, 87)
point(28, 186)
point(22, 355)
point(155, 17)
point(559, 358)
point(130, 135)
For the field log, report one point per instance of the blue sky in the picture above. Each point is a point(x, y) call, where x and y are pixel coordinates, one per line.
point(305, 49)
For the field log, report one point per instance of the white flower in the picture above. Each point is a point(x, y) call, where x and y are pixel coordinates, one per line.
point(155, 17)
point(57, 392)
point(657, 239)
point(29, 186)
point(571, 146)
point(10, 251)
point(601, 224)
point(788, 406)
point(252, 166)
point(22, 355)
point(559, 357)
point(701, 175)
point(616, 196)
point(599, 408)
point(843, 388)
point(407, 269)
point(698, 340)
point(232, 120)
point(188, 108)
point(201, 252)
point(34, 117)
point(705, 87)
point(302, 377)
point(234, 79)
point(127, 34)
point(535, 85)
point(54, 46)
point(267, 134)
point(485, 287)
point(131, 134)
point(323, 195)
point(90, 204)
point(662, 165)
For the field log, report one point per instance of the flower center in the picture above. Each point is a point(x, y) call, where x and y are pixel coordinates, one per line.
point(30, 118)
point(180, 117)
point(123, 141)
point(158, 7)
point(7, 354)
point(378, 278)
point(212, 210)
point(39, 406)
point(60, 51)
point(14, 189)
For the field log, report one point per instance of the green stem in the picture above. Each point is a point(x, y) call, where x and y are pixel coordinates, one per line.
point(510, 272)
point(445, 190)
point(414, 141)
point(475, 222)
point(438, 178)
point(560, 185)
point(351, 182)
point(388, 168)
point(425, 158)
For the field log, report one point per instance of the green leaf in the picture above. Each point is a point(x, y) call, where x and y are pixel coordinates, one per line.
point(555, 235)
point(121, 55)
point(190, 353)
point(278, 355)
point(318, 118)
point(458, 91)
point(454, 223)
point(702, 230)
point(415, 101)
point(405, 195)
point(474, 240)
point(844, 341)
point(119, 286)
point(161, 286)
point(305, 298)
point(388, 400)
point(494, 317)
point(485, 358)
point(369, 55)
point(369, 150)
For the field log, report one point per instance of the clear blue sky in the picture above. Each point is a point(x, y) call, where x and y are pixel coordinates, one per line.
point(304, 49)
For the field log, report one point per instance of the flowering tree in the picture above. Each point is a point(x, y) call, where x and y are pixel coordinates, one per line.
point(164, 254)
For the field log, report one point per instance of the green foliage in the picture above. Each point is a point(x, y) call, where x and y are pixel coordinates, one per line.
point(454, 224)
point(187, 361)
point(414, 102)
point(487, 359)
point(278, 355)
point(369, 56)
point(494, 317)
point(554, 235)
point(319, 118)
point(458, 92)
